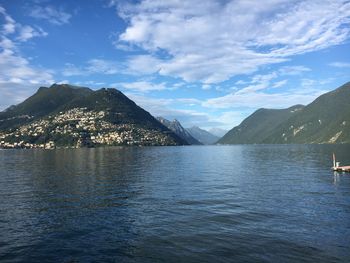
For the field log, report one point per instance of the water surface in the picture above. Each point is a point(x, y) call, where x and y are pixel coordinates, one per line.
point(257, 203)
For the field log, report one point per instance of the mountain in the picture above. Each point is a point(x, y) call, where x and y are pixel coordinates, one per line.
point(43, 102)
point(67, 116)
point(258, 126)
point(177, 128)
point(202, 136)
point(325, 120)
point(218, 132)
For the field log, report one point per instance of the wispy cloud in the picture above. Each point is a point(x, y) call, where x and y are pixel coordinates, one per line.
point(340, 64)
point(293, 70)
point(211, 41)
point(28, 32)
point(24, 32)
point(93, 66)
point(53, 15)
point(103, 66)
point(263, 100)
point(188, 118)
point(280, 83)
point(18, 77)
point(9, 26)
point(141, 86)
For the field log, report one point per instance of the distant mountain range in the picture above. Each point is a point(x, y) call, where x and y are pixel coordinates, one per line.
point(65, 115)
point(202, 136)
point(177, 128)
point(325, 120)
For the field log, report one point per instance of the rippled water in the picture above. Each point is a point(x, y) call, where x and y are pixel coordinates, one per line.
point(175, 204)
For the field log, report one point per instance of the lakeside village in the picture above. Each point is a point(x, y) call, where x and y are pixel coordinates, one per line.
point(77, 128)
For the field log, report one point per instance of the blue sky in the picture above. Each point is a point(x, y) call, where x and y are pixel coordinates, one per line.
point(205, 62)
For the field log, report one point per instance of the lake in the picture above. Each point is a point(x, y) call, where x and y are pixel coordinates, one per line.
point(253, 203)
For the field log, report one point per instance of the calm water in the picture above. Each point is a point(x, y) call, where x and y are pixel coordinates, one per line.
point(175, 204)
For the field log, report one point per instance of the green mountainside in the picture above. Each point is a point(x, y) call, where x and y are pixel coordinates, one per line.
point(325, 120)
point(43, 102)
point(258, 127)
point(69, 116)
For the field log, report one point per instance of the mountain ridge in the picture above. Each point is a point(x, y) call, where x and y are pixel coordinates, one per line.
point(66, 115)
point(178, 129)
point(325, 120)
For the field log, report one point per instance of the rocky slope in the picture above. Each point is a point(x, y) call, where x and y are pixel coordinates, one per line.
point(177, 128)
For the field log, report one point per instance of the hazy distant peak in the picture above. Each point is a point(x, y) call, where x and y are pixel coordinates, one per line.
point(177, 128)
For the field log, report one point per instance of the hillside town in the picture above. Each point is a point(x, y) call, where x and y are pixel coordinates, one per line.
point(80, 127)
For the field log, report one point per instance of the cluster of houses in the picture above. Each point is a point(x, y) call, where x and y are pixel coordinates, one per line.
point(83, 127)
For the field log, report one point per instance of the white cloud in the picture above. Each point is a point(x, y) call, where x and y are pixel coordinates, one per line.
point(176, 109)
point(24, 33)
point(230, 119)
point(144, 64)
point(168, 108)
point(279, 84)
point(14, 68)
point(53, 15)
point(141, 86)
point(241, 82)
point(9, 26)
point(211, 41)
point(206, 86)
point(340, 64)
point(263, 100)
point(93, 66)
point(18, 78)
point(293, 70)
point(28, 32)
point(89, 83)
point(189, 101)
point(103, 66)
point(72, 70)
point(258, 82)
point(308, 83)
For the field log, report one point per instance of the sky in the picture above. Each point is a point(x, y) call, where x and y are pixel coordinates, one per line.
point(208, 63)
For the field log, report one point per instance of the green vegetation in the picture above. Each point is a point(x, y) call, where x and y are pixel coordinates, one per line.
point(65, 115)
point(45, 101)
point(325, 120)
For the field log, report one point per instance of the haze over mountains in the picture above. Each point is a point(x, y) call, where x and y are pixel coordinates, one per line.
point(218, 132)
point(203, 136)
point(325, 120)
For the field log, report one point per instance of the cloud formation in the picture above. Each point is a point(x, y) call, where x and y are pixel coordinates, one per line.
point(212, 41)
point(93, 66)
point(340, 64)
point(263, 100)
point(51, 14)
point(28, 32)
point(18, 77)
point(141, 86)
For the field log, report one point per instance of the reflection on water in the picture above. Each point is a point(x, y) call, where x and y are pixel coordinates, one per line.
point(278, 203)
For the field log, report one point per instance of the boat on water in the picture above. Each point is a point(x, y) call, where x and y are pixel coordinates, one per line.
point(336, 166)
